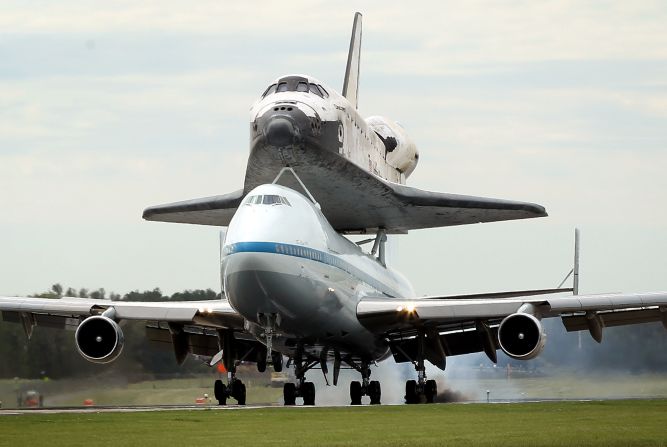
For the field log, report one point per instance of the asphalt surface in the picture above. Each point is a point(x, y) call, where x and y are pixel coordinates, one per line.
point(143, 408)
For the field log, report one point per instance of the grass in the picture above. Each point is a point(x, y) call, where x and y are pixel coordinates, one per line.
point(607, 423)
point(181, 391)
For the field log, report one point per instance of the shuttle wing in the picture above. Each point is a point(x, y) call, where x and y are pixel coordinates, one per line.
point(415, 208)
point(215, 210)
point(366, 205)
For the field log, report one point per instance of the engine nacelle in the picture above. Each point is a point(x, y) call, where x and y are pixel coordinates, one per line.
point(401, 152)
point(99, 339)
point(521, 336)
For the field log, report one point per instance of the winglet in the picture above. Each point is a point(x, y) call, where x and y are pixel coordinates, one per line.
point(351, 82)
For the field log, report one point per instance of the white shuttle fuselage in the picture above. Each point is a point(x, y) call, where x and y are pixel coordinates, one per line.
point(299, 121)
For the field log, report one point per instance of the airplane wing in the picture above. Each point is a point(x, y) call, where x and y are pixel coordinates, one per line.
point(467, 324)
point(190, 326)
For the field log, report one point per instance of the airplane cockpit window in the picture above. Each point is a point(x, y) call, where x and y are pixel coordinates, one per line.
point(282, 87)
point(271, 200)
point(268, 199)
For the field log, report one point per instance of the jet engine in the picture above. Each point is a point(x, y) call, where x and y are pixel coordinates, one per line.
point(521, 336)
point(99, 339)
point(400, 151)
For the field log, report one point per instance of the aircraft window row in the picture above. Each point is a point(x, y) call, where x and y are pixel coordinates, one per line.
point(301, 252)
point(328, 259)
point(268, 199)
point(303, 87)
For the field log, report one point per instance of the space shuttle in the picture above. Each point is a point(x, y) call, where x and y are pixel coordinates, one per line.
point(356, 168)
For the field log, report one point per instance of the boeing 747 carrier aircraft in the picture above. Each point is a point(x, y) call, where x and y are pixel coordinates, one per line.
point(296, 287)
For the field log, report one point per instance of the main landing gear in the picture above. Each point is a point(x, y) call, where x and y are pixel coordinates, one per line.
point(303, 389)
point(234, 389)
point(366, 387)
point(420, 390)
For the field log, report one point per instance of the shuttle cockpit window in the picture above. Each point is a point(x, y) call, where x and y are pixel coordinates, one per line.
point(296, 84)
point(315, 89)
point(326, 94)
point(269, 90)
point(268, 199)
point(302, 87)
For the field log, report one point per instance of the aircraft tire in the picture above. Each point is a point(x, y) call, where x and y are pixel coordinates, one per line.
point(261, 361)
point(375, 392)
point(238, 391)
point(355, 393)
point(289, 393)
point(277, 360)
point(411, 396)
point(308, 392)
point(219, 392)
point(430, 391)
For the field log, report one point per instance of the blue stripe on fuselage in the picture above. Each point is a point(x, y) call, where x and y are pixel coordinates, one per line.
point(299, 251)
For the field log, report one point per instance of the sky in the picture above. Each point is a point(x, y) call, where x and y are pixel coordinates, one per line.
point(107, 108)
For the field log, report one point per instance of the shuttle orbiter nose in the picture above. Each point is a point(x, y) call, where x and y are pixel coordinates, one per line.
point(279, 131)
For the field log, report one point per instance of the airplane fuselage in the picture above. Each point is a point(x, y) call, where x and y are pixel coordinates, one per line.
point(283, 260)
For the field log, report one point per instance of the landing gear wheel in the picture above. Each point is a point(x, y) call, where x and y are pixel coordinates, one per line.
point(430, 391)
point(289, 393)
point(411, 396)
point(220, 392)
point(355, 393)
point(308, 393)
point(277, 360)
point(261, 360)
point(238, 392)
point(375, 392)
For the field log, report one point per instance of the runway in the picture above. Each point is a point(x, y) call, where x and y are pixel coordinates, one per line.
point(132, 409)
point(213, 407)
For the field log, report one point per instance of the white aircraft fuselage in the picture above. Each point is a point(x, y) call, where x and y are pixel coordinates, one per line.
point(283, 259)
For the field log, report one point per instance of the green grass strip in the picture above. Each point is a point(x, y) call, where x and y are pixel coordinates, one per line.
point(608, 423)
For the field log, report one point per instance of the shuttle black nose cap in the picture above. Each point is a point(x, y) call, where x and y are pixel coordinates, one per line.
point(279, 132)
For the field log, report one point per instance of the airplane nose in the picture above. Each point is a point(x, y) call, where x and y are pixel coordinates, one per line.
point(279, 132)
